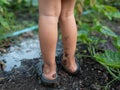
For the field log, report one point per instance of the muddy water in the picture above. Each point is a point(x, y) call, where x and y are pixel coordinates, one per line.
point(26, 49)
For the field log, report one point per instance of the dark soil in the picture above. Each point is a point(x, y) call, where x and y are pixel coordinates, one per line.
point(93, 76)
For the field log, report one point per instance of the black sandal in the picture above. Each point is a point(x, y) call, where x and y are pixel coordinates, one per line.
point(44, 80)
point(59, 58)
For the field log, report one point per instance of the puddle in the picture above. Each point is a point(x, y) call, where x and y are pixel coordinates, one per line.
point(26, 49)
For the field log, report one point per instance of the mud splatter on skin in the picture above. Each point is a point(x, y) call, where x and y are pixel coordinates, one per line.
point(54, 75)
point(65, 58)
point(65, 49)
point(66, 55)
point(66, 38)
point(64, 61)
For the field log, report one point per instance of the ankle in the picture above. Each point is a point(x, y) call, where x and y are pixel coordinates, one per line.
point(49, 68)
point(68, 59)
point(49, 71)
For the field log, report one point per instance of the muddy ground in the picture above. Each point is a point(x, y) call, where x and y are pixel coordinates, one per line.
point(93, 76)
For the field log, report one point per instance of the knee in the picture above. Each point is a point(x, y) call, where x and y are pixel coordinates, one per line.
point(66, 15)
point(50, 14)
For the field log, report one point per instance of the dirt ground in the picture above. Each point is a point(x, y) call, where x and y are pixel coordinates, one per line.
point(93, 76)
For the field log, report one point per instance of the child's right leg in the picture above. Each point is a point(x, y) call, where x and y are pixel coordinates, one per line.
point(69, 33)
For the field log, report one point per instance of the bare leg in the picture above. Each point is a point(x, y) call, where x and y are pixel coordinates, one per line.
point(69, 33)
point(49, 11)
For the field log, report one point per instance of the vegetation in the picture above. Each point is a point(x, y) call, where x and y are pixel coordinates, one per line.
point(10, 19)
point(93, 32)
point(91, 17)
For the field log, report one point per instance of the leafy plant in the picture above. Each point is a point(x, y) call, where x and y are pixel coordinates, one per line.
point(116, 42)
point(99, 12)
point(9, 21)
point(110, 60)
point(94, 32)
point(3, 13)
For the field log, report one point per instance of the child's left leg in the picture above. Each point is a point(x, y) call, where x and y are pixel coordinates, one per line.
point(49, 11)
point(69, 33)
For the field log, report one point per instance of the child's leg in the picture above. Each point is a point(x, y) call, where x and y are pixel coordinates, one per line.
point(69, 33)
point(49, 11)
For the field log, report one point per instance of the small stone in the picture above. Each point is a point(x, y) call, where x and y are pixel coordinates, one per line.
point(77, 89)
point(28, 34)
point(2, 50)
point(2, 65)
point(99, 71)
point(96, 87)
point(39, 81)
point(1, 79)
point(80, 82)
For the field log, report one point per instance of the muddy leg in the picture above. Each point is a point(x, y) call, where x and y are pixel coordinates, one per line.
point(69, 33)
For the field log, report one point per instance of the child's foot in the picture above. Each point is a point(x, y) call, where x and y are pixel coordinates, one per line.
point(49, 72)
point(70, 65)
point(47, 76)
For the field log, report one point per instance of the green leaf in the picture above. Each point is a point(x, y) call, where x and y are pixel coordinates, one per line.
point(5, 24)
point(116, 42)
point(115, 14)
point(110, 8)
point(96, 27)
point(4, 2)
point(83, 35)
point(92, 2)
point(109, 58)
point(106, 31)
